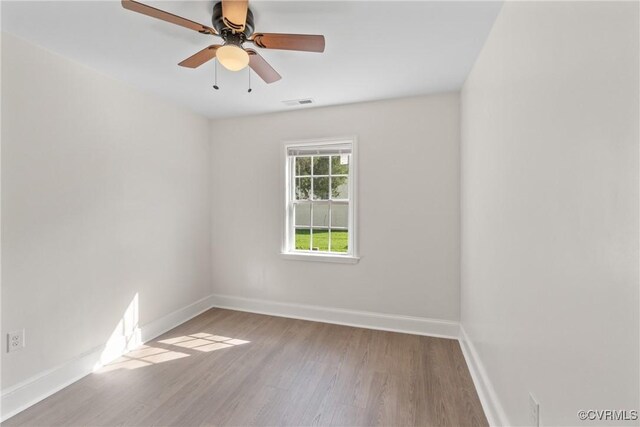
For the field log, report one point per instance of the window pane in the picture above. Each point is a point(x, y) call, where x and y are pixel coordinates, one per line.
point(339, 240)
point(320, 240)
point(303, 239)
point(303, 188)
point(340, 165)
point(321, 215)
point(321, 165)
point(339, 215)
point(339, 187)
point(320, 188)
point(303, 215)
point(319, 198)
point(303, 166)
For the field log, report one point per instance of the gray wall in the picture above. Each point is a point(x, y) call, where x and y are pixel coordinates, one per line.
point(550, 208)
point(408, 202)
point(105, 195)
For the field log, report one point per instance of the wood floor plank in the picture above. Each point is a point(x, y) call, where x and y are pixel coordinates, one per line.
point(233, 368)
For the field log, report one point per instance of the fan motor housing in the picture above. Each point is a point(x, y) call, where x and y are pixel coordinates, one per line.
point(223, 30)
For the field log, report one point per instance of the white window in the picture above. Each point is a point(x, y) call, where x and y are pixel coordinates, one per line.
point(320, 200)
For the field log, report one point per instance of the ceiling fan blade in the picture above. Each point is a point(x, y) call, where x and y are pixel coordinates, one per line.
point(234, 13)
point(166, 16)
point(262, 67)
point(196, 60)
point(303, 42)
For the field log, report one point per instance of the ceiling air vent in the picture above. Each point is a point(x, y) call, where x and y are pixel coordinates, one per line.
point(294, 102)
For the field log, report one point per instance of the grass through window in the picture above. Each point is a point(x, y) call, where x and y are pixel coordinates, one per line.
point(339, 240)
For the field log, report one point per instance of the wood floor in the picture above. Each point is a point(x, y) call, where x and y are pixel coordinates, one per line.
point(233, 368)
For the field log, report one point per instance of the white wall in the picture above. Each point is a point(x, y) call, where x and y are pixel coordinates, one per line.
point(408, 203)
point(550, 208)
point(105, 195)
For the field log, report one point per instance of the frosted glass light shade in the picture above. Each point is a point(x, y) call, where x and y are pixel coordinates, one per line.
point(232, 57)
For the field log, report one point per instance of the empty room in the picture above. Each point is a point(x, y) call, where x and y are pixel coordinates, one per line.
point(328, 213)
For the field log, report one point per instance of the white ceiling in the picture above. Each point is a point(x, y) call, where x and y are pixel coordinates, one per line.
point(374, 49)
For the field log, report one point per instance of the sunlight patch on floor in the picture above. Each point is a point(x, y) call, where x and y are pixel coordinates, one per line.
point(204, 342)
point(143, 356)
point(147, 355)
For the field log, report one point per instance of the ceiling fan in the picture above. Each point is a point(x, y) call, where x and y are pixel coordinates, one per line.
point(233, 21)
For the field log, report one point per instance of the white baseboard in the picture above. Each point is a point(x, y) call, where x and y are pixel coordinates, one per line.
point(166, 323)
point(19, 397)
point(31, 391)
point(361, 319)
point(488, 397)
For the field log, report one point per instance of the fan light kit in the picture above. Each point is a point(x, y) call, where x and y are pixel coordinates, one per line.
point(233, 22)
point(232, 57)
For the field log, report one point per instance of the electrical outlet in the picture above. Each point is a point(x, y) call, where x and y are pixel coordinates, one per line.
point(15, 341)
point(534, 411)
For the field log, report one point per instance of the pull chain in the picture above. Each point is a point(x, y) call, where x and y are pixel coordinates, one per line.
point(249, 79)
point(215, 83)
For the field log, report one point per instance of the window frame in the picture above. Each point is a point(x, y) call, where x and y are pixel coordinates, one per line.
point(288, 250)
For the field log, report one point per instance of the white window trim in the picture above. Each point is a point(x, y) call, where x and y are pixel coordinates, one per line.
point(291, 254)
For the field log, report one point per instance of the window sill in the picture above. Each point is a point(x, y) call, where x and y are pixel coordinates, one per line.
point(300, 256)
